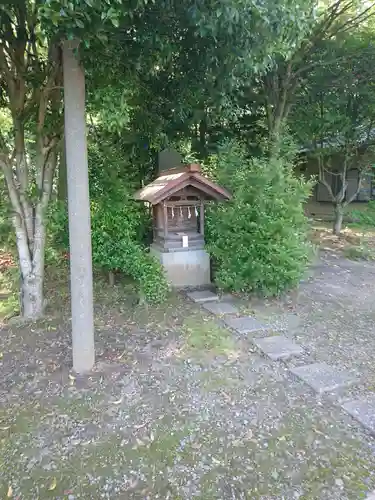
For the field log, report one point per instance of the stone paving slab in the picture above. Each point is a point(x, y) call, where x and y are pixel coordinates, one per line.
point(323, 378)
point(362, 410)
point(220, 308)
point(278, 347)
point(245, 324)
point(202, 296)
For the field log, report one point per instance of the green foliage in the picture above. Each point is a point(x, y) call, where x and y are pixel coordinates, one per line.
point(336, 107)
point(112, 106)
point(361, 252)
point(58, 229)
point(258, 239)
point(7, 236)
point(4, 223)
point(115, 240)
point(119, 225)
point(86, 19)
point(364, 218)
point(204, 336)
point(116, 245)
point(9, 288)
point(184, 64)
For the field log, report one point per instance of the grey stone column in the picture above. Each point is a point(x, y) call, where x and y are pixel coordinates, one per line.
point(79, 211)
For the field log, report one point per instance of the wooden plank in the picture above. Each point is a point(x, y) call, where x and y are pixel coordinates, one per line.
point(183, 203)
point(165, 216)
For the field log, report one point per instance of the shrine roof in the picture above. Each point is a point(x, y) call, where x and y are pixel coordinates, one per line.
point(172, 180)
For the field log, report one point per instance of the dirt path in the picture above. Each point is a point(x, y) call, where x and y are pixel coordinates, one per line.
point(182, 408)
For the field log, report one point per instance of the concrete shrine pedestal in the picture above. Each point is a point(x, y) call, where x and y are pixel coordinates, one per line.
point(184, 268)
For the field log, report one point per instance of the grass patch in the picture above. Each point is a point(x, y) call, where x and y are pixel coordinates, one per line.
point(206, 336)
point(360, 252)
point(212, 381)
point(354, 242)
point(9, 304)
point(84, 471)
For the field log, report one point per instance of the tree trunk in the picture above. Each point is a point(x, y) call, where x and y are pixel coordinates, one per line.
point(27, 159)
point(79, 212)
point(32, 299)
point(31, 259)
point(339, 216)
point(111, 278)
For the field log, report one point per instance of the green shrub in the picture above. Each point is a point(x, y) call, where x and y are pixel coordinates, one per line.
point(117, 226)
point(7, 236)
point(361, 252)
point(258, 240)
point(116, 245)
point(57, 230)
point(364, 218)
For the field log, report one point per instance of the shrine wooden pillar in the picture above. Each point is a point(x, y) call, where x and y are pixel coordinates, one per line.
point(201, 217)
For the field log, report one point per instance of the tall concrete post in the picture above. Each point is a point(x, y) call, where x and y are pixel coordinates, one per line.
point(79, 211)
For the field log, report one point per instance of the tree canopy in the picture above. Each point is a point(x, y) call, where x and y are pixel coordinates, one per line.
point(184, 73)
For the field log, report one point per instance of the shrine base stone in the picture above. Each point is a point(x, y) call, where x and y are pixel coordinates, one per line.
point(185, 268)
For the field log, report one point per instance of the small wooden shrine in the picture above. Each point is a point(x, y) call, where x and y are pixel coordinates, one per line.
point(178, 196)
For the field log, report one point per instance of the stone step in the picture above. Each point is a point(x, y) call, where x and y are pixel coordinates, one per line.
point(245, 325)
point(278, 347)
point(363, 410)
point(220, 308)
point(324, 378)
point(202, 296)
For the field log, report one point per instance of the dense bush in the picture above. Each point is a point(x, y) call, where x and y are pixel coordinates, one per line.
point(119, 226)
point(364, 218)
point(116, 244)
point(115, 227)
point(258, 240)
point(6, 233)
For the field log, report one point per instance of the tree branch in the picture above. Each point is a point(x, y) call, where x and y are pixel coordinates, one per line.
point(5, 69)
point(359, 187)
point(323, 180)
point(4, 146)
point(344, 183)
point(45, 153)
point(358, 19)
point(12, 189)
point(52, 80)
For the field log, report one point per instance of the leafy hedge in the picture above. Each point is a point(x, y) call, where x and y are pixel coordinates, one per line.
point(119, 225)
point(258, 240)
point(364, 218)
point(116, 245)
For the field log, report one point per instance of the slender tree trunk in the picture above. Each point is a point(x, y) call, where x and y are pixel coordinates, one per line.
point(31, 269)
point(30, 230)
point(29, 185)
point(202, 137)
point(111, 278)
point(339, 216)
point(32, 300)
point(79, 212)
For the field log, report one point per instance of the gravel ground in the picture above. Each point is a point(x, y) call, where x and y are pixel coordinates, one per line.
point(181, 408)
